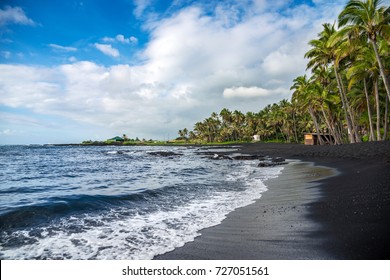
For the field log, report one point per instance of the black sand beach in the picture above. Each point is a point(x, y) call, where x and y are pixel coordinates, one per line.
point(309, 212)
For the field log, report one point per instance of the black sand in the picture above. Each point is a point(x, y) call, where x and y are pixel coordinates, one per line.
point(303, 215)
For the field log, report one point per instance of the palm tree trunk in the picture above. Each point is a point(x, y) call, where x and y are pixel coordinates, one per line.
point(295, 128)
point(317, 127)
point(330, 128)
point(340, 132)
point(326, 138)
point(351, 114)
point(281, 132)
point(381, 68)
point(372, 135)
point(336, 131)
point(386, 125)
point(378, 111)
point(344, 101)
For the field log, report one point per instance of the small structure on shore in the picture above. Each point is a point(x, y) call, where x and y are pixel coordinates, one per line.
point(312, 139)
point(117, 139)
point(256, 137)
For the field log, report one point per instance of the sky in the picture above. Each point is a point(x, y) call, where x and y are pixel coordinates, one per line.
point(93, 69)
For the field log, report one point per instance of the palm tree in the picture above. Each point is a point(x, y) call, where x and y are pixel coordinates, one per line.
point(238, 124)
point(364, 68)
point(192, 135)
point(286, 112)
point(324, 52)
point(251, 125)
point(328, 100)
point(199, 131)
point(183, 134)
point(368, 19)
point(263, 128)
point(303, 90)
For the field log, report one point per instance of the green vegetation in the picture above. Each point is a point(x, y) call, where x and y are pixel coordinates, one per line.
point(128, 142)
point(273, 123)
point(346, 96)
point(133, 142)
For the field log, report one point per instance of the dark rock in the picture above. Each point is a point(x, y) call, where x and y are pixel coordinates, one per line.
point(278, 159)
point(270, 163)
point(219, 157)
point(248, 157)
point(266, 163)
point(164, 154)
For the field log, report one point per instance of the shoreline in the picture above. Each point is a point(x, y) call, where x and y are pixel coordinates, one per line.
point(339, 217)
point(273, 227)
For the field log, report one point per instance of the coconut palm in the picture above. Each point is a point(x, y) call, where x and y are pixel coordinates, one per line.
point(238, 123)
point(251, 125)
point(183, 134)
point(303, 93)
point(328, 100)
point(326, 52)
point(370, 19)
point(286, 112)
point(365, 68)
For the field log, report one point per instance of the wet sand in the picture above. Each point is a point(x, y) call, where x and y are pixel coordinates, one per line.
point(309, 212)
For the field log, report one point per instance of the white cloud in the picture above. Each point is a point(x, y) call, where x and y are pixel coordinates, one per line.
point(283, 62)
point(72, 59)
point(116, 97)
point(121, 39)
point(62, 48)
point(133, 40)
point(108, 40)
point(245, 92)
point(18, 119)
point(107, 49)
point(140, 7)
point(130, 40)
point(14, 15)
point(7, 132)
point(195, 63)
point(252, 92)
point(6, 54)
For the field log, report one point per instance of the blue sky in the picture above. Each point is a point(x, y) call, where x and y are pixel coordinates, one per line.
point(93, 69)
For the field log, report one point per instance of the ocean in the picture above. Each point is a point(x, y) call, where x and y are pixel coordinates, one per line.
point(117, 202)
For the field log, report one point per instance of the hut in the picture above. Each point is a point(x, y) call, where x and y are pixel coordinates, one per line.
point(312, 139)
point(117, 139)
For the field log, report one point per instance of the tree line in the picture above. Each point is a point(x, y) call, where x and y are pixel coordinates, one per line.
point(345, 97)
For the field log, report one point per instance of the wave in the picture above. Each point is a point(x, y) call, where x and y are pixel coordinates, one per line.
point(137, 235)
point(55, 207)
point(121, 208)
point(30, 215)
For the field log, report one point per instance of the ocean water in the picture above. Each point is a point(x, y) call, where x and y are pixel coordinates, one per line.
point(116, 202)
